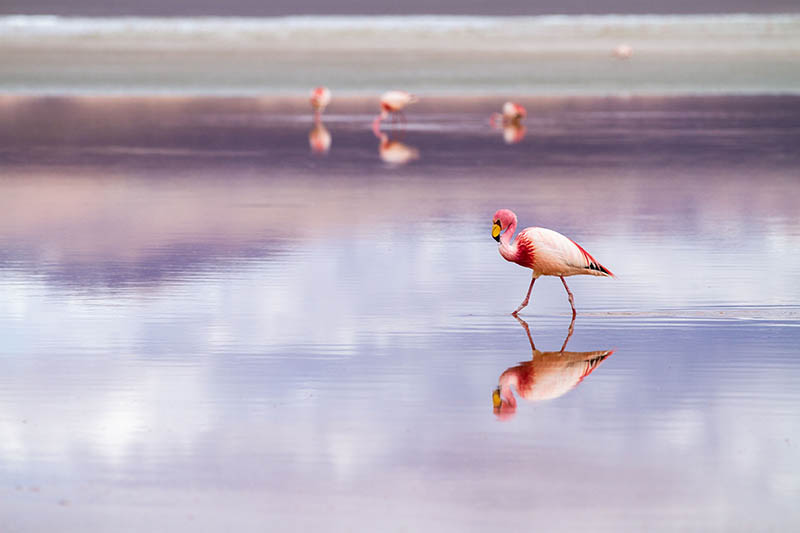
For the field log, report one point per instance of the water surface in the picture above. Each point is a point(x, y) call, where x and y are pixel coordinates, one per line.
point(204, 324)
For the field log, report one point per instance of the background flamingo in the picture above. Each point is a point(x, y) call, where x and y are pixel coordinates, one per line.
point(513, 113)
point(320, 98)
point(546, 376)
point(623, 51)
point(546, 252)
point(393, 102)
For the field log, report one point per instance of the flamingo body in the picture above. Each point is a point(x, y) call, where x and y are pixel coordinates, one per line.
point(513, 111)
point(623, 51)
point(394, 101)
point(320, 98)
point(544, 251)
point(548, 253)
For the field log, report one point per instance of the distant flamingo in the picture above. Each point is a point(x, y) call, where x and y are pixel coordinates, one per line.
point(546, 376)
point(393, 102)
point(623, 51)
point(320, 98)
point(513, 113)
point(546, 252)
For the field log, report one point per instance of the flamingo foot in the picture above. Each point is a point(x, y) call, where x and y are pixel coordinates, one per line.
point(571, 298)
point(526, 300)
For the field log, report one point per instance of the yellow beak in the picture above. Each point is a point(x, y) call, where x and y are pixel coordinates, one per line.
point(496, 400)
point(496, 231)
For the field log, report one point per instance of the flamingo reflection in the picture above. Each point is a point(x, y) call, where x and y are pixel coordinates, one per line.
point(392, 151)
point(319, 138)
point(546, 376)
point(510, 120)
point(513, 133)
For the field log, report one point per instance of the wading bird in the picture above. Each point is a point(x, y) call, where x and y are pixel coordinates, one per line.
point(513, 113)
point(546, 252)
point(623, 51)
point(320, 98)
point(546, 376)
point(393, 102)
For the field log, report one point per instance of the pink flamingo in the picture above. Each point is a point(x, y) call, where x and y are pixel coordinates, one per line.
point(393, 102)
point(623, 51)
point(546, 252)
point(513, 113)
point(320, 98)
point(546, 376)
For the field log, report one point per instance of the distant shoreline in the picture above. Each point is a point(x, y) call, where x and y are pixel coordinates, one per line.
point(437, 55)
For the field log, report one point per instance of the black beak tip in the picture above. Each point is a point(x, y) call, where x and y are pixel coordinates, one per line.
point(497, 238)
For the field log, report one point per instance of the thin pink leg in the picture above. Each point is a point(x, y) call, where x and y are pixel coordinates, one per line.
point(569, 334)
point(571, 299)
point(527, 297)
point(527, 330)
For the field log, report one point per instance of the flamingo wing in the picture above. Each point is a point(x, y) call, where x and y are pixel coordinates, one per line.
point(557, 255)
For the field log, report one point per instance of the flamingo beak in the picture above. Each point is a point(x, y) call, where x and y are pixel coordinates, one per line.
point(497, 401)
point(496, 230)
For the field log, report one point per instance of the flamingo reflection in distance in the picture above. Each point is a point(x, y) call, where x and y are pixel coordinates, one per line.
point(548, 375)
point(319, 138)
point(395, 152)
point(545, 252)
point(392, 151)
point(510, 120)
point(513, 133)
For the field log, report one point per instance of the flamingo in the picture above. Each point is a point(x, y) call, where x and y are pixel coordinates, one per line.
point(393, 102)
point(546, 376)
point(623, 51)
point(513, 113)
point(320, 98)
point(545, 252)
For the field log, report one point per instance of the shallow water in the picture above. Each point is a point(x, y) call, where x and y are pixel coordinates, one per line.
point(206, 325)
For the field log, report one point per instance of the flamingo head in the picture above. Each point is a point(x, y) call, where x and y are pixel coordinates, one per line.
point(504, 403)
point(502, 219)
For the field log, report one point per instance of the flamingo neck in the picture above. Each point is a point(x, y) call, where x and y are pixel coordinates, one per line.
point(508, 249)
point(508, 395)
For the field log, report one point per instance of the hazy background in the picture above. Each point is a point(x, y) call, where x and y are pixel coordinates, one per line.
point(368, 7)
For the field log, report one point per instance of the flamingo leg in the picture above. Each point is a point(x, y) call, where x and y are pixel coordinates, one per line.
point(527, 330)
point(569, 334)
point(527, 297)
point(569, 293)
